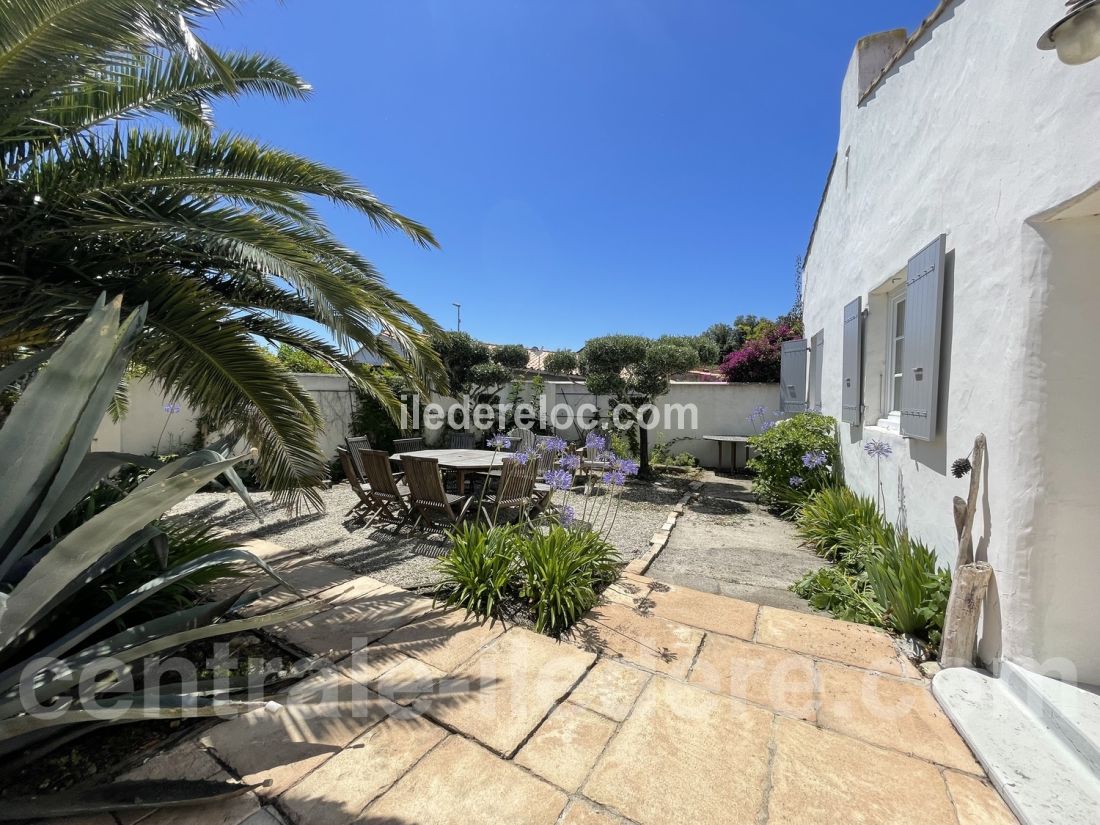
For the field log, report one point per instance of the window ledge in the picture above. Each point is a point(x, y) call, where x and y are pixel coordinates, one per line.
point(877, 429)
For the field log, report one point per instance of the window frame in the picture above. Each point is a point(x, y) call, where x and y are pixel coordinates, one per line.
point(893, 371)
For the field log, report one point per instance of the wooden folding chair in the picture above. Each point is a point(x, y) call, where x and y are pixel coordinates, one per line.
point(360, 509)
point(408, 445)
point(461, 441)
point(514, 490)
point(428, 499)
point(354, 445)
point(386, 497)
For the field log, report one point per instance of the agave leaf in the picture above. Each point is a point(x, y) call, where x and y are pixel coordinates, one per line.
point(198, 458)
point(134, 707)
point(93, 468)
point(17, 369)
point(50, 430)
point(90, 541)
point(182, 571)
point(151, 638)
point(122, 796)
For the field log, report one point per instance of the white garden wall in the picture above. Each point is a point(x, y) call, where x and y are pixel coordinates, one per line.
point(702, 408)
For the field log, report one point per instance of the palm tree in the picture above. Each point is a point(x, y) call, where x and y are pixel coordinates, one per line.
point(115, 180)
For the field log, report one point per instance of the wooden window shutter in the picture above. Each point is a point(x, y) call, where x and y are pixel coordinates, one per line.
point(792, 376)
point(817, 356)
point(921, 356)
point(851, 392)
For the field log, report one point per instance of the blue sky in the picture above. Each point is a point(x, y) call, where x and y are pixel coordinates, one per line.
point(588, 166)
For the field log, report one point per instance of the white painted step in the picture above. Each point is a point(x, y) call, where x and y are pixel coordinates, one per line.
point(1042, 778)
point(1071, 711)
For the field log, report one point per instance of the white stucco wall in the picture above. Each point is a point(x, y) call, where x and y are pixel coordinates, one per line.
point(974, 134)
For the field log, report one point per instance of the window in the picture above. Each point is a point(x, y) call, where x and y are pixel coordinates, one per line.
point(895, 345)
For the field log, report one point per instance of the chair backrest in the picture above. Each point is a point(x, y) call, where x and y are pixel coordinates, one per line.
point(376, 468)
point(408, 445)
point(349, 468)
point(524, 437)
point(516, 482)
point(355, 444)
point(461, 441)
point(425, 483)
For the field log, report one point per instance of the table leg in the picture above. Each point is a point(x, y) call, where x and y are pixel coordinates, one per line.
point(720, 445)
point(460, 480)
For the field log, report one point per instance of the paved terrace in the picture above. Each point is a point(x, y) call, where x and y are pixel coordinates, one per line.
point(669, 705)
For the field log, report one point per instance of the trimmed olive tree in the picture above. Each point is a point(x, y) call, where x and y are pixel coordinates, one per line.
point(634, 371)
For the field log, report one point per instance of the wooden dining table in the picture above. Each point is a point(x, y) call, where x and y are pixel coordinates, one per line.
point(459, 462)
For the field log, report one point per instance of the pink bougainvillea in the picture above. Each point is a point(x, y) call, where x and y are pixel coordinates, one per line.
point(759, 359)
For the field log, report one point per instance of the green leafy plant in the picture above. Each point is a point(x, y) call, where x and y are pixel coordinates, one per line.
point(556, 572)
point(794, 458)
point(478, 569)
point(879, 575)
point(561, 572)
point(512, 356)
point(562, 361)
point(845, 595)
point(835, 521)
point(47, 472)
point(904, 576)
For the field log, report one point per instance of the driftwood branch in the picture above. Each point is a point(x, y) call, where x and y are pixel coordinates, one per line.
point(960, 627)
point(970, 582)
point(966, 539)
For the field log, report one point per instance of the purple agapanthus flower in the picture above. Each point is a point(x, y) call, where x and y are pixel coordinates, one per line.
point(570, 462)
point(568, 516)
point(760, 410)
point(559, 479)
point(627, 466)
point(797, 481)
point(555, 445)
point(521, 457)
point(814, 459)
point(614, 478)
point(595, 442)
point(878, 449)
point(172, 408)
point(499, 442)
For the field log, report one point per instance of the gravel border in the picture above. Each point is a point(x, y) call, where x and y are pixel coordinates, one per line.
point(409, 558)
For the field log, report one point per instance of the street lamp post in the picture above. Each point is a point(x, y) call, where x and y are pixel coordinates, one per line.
point(458, 311)
point(1076, 37)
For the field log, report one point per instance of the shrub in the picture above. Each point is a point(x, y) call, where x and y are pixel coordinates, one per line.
point(795, 458)
point(512, 356)
point(662, 454)
point(562, 361)
point(296, 360)
point(561, 572)
point(759, 359)
point(477, 571)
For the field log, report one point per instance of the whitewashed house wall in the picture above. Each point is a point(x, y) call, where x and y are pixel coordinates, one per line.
point(977, 135)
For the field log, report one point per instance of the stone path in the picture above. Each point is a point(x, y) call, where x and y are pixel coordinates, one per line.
point(668, 705)
point(727, 543)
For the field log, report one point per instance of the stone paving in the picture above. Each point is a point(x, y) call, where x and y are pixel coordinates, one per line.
point(667, 705)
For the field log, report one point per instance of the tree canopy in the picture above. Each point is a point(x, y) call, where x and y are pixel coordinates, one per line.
point(634, 370)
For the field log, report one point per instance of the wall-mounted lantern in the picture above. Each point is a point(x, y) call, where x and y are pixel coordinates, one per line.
point(1076, 37)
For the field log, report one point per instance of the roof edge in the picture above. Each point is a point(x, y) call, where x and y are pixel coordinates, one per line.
point(917, 34)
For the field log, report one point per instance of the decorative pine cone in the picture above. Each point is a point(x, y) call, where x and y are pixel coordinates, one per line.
point(961, 467)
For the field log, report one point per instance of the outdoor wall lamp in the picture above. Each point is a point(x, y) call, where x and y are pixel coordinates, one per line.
point(1076, 37)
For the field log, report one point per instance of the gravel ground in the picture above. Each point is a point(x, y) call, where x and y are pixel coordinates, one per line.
point(407, 558)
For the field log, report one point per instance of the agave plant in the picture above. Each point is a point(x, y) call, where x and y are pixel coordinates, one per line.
point(47, 467)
